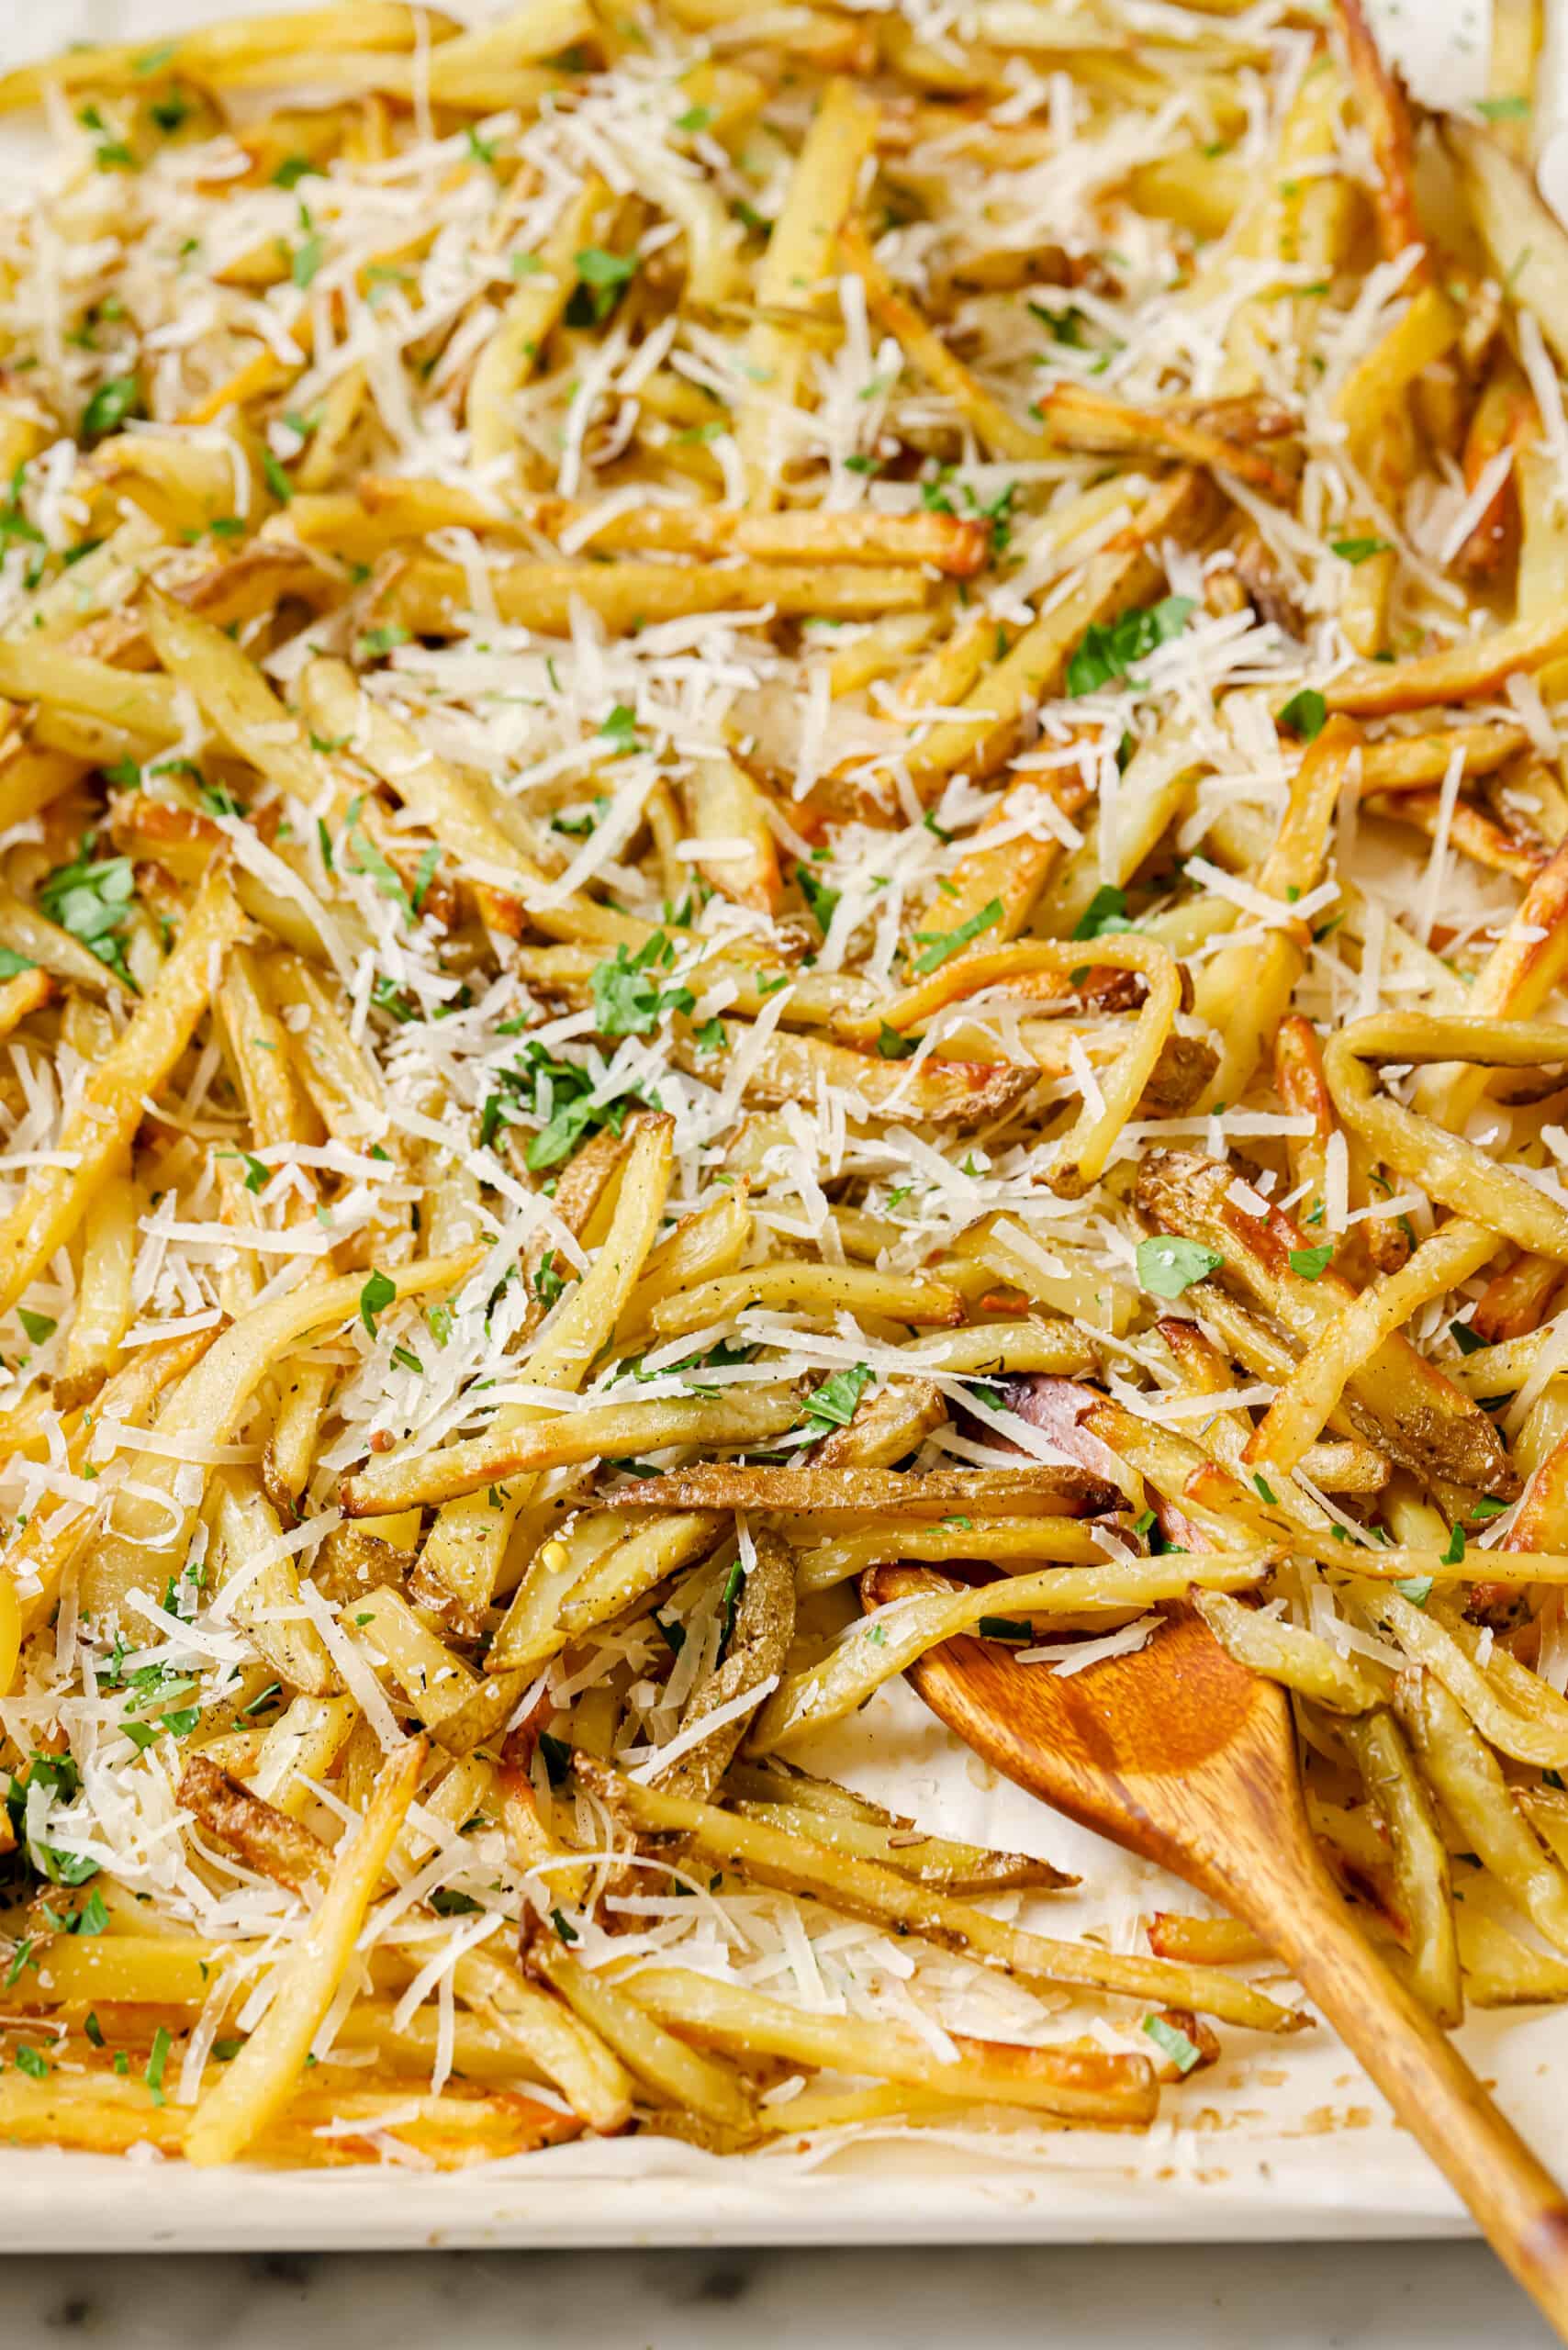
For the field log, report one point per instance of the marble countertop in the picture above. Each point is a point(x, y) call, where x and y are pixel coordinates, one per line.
point(1423, 2296)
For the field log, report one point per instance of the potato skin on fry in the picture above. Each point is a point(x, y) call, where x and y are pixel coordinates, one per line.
point(1401, 1401)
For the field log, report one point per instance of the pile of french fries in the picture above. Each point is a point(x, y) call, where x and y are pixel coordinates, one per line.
point(781, 819)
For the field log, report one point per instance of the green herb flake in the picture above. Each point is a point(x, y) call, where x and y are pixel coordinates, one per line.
point(1105, 913)
point(1311, 1263)
point(111, 405)
point(1172, 2041)
point(940, 946)
point(1005, 1627)
point(628, 999)
point(602, 278)
point(1355, 551)
point(1108, 649)
point(92, 899)
point(1305, 714)
point(832, 1405)
point(1167, 1266)
point(374, 1298)
point(819, 897)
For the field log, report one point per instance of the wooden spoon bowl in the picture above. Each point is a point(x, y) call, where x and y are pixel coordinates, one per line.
point(1182, 1755)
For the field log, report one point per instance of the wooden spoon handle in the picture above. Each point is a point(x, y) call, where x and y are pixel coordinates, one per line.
point(1520, 2206)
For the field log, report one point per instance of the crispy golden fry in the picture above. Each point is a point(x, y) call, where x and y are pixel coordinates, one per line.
point(821, 189)
point(1002, 432)
point(768, 1856)
point(1420, 1859)
point(1452, 1169)
point(893, 1638)
point(405, 507)
point(258, 2085)
point(790, 1068)
point(1081, 419)
point(265, 1838)
point(606, 1431)
point(867, 1493)
point(1404, 1403)
point(1203, 1941)
point(56, 1200)
point(678, 2074)
point(209, 1401)
point(811, 1289)
point(99, 2113)
point(1002, 1541)
point(850, 1823)
point(1464, 1776)
point(1460, 1248)
point(762, 1627)
point(1476, 665)
point(427, 596)
point(1285, 1653)
point(1066, 2081)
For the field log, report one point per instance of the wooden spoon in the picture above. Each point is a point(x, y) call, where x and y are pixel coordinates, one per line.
point(1187, 1758)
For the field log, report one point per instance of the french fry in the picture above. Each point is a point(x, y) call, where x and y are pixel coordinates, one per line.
point(604, 1431)
point(886, 1642)
point(1420, 1859)
point(1294, 1418)
point(56, 1199)
point(1453, 1170)
point(857, 1492)
point(427, 595)
point(464, 1547)
point(693, 2083)
point(1002, 432)
point(1299, 1660)
point(1117, 2089)
point(849, 1823)
point(1477, 666)
point(1464, 1776)
point(800, 253)
point(768, 1856)
point(1405, 1405)
point(405, 507)
point(946, 1092)
point(257, 2086)
point(210, 1400)
point(510, 356)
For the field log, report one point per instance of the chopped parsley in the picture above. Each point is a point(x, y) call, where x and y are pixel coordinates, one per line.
point(1167, 1266)
point(1108, 649)
point(627, 998)
point(1105, 913)
point(602, 278)
point(92, 899)
point(832, 1405)
point(1305, 714)
point(819, 897)
point(940, 946)
point(377, 1294)
point(1172, 2041)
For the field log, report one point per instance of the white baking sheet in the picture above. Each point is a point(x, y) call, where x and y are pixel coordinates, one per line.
point(1283, 2139)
